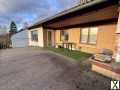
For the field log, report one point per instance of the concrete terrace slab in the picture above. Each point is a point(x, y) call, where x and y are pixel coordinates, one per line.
point(39, 69)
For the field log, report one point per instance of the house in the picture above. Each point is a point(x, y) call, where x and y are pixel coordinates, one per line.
point(89, 27)
point(85, 25)
point(20, 39)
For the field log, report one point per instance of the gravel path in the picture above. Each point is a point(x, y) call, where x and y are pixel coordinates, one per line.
point(39, 69)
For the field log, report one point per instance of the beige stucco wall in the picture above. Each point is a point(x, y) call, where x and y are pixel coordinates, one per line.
point(40, 42)
point(107, 37)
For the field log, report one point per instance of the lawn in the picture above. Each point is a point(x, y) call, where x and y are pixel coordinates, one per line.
point(77, 55)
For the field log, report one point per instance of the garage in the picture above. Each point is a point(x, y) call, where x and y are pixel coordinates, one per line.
point(20, 39)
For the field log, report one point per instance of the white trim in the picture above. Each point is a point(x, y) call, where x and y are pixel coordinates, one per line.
point(118, 40)
point(40, 42)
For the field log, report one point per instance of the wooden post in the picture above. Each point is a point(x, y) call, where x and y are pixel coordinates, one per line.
point(118, 39)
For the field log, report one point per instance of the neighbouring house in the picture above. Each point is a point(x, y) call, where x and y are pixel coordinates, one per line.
point(89, 27)
point(20, 39)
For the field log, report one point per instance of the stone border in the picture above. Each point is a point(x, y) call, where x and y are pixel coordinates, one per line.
point(106, 69)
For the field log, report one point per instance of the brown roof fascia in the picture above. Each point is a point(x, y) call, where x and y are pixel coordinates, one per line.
point(71, 10)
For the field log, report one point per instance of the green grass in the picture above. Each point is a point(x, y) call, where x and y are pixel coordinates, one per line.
point(77, 55)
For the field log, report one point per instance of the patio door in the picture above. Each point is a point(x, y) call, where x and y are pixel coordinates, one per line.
point(50, 38)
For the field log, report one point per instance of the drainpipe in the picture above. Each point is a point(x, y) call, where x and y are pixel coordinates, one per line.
point(118, 38)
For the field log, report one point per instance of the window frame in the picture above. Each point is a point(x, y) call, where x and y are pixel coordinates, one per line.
point(88, 39)
point(63, 34)
point(81, 35)
point(34, 38)
point(90, 29)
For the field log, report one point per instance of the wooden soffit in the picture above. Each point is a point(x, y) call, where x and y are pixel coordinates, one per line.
point(103, 14)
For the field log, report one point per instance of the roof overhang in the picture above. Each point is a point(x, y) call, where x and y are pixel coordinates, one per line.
point(58, 21)
point(108, 15)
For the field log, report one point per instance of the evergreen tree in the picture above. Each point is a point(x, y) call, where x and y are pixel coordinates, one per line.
point(13, 27)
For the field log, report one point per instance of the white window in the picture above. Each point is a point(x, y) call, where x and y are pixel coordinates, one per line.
point(89, 35)
point(84, 35)
point(93, 35)
point(34, 36)
point(64, 35)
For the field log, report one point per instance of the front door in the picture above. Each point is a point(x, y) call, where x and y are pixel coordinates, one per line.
point(50, 38)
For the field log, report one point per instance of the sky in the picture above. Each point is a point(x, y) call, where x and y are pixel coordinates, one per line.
point(31, 11)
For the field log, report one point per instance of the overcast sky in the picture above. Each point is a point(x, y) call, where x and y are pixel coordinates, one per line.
point(30, 11)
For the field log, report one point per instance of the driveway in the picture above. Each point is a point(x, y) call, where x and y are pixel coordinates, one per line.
point(39, 69)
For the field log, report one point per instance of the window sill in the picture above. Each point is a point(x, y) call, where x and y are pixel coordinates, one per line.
point(88, 44)
point(34, 41)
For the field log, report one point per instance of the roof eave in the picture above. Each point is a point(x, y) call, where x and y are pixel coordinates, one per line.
point(71, 10)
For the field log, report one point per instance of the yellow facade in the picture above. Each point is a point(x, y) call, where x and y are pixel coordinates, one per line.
point(40, 41)
point(106, 38)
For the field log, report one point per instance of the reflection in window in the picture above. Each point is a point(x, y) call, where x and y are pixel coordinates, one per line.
point(64, 35)
point(84, 35)
point(93, 35)
point(89, 35)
